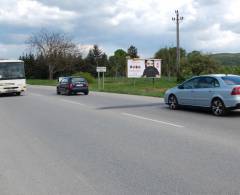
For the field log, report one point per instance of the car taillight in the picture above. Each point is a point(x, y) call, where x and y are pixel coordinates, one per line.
point(70, 86)
point(236, 91)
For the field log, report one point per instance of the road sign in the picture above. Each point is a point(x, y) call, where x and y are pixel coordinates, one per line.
point(101, 69)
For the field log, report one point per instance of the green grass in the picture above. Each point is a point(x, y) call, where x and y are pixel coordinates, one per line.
point(42, 82)
point(141, 86)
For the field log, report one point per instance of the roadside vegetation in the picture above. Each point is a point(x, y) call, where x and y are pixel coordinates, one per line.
point(143, 86)
point(54, 54)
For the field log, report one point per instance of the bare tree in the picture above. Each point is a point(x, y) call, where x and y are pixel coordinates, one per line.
point(56, 48)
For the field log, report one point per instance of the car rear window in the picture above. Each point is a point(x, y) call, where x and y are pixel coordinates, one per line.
point(231, 80)
point(76, 80)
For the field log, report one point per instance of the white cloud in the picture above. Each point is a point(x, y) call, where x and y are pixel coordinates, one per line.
point(148, 17)
point(209, 25)
point(215, 39)
point(18, 37)
point(34, 14)
point(11, 51)
point(84, 49)
point(232, 13)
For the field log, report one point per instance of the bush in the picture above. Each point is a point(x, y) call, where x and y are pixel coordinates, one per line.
point(85, 75)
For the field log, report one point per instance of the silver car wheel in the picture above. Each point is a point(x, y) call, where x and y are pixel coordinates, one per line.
point(172, 102)
point(218, 107)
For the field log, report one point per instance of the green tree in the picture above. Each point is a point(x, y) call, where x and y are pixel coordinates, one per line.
point(118, 63)
point(96, 57)
point(35, 66)
point(40, 68)
point(103, 61)
point(90, 63)
point(132, 52)
point(198, 63)
point(78, 64)
point(168, 56)
point(29, 61)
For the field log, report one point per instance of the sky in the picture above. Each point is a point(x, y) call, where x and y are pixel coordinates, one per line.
point(210, 26)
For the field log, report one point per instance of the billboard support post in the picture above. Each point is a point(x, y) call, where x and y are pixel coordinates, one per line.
point(153, 82)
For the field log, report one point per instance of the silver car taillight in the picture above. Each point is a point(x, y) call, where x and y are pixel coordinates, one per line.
point(236, 91)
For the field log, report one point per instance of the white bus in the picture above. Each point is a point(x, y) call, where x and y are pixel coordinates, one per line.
point(12, 77)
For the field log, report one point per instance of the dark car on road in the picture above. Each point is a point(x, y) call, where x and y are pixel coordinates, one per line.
point(72, 85)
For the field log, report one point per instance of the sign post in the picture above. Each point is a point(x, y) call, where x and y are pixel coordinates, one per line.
point(101, 69)
point(98, 80)
point(103, 81)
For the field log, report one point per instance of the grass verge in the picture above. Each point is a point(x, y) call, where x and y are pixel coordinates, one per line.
point(141, 86)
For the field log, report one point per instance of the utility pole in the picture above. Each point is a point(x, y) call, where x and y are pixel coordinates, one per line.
point(177, 19)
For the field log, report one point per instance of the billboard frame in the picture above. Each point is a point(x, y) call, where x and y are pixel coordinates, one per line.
point(144, 68)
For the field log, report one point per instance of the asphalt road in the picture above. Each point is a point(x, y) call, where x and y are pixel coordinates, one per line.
point(108, 144)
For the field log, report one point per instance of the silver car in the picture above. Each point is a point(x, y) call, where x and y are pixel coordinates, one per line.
point(218, 92)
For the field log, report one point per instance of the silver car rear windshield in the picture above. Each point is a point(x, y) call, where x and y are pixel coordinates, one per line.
point(231, 80)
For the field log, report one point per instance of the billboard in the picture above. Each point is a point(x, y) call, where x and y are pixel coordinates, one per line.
point(148, 68)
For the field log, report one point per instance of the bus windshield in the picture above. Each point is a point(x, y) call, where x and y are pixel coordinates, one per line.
point(12, 70)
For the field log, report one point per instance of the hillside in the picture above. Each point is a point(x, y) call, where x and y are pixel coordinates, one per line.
point(228, 59)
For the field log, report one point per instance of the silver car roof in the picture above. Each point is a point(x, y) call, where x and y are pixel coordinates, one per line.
point(219, 75)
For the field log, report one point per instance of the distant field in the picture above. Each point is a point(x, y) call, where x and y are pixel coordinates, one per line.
point(227, 59)
point(142, 86)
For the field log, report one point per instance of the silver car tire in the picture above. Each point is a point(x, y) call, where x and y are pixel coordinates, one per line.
point(172, 102)
point(218, 108)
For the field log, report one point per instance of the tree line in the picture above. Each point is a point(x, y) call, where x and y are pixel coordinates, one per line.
point(55, 54)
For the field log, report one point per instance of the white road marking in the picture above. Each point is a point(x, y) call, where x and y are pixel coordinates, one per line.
point(72, 102)
point(153, 120)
